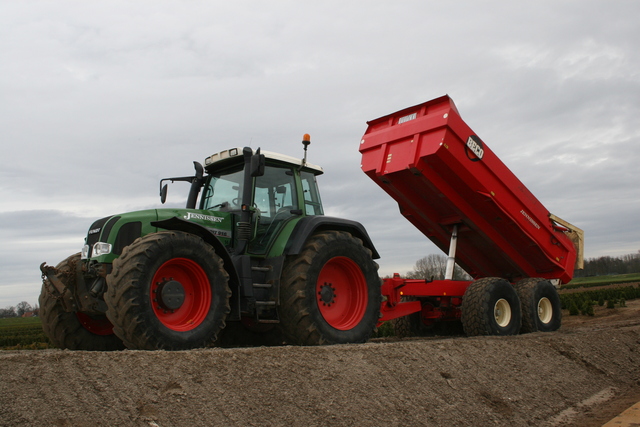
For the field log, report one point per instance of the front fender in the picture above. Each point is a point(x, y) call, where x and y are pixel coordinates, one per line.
point(178, 224)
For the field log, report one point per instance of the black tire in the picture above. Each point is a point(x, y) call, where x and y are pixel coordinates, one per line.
point(74, 330)
point(330, 292)
point(541, 308)
point(168, 290)
point(411, 325)
point(491, 306)
point(406, 326)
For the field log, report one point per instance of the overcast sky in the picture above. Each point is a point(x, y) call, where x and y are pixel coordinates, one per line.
point(99, 100)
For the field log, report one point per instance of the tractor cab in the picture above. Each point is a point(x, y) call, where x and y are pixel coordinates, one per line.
point(281, 188)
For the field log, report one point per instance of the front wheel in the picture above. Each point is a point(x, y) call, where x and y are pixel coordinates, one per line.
point(168, 290)
point(491, 306)
point(74, 330)
point(541, 308)
point(330, 291)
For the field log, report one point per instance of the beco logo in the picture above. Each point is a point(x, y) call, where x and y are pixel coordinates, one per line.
point(474, 148)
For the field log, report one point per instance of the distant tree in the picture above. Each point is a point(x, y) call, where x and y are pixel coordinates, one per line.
point(8, 312)
point(605, 265)
point(433, 267)
point(22, 308)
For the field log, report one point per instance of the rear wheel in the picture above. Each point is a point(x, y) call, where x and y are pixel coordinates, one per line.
point(414, 325)
point(490, 306)
point(330, 292)
point(541, 308)
point(74, 330)
point(168, 290)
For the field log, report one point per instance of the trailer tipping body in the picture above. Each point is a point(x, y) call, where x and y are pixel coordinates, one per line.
point(443, 175)
point(457, 192)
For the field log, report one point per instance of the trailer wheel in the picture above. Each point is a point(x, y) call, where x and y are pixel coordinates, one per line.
point(168, 290)
point(74, 331)
point(541, 308)
point(491, 306)
point(330, 292)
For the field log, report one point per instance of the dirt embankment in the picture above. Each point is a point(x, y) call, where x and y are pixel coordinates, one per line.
point(582, 375)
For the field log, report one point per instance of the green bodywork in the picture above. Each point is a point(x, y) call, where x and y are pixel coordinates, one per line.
point(256, 210)
point(281, 197)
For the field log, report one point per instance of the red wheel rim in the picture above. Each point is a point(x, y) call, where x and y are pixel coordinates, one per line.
point(341, 292)
point(197, 294)
point(100, 326)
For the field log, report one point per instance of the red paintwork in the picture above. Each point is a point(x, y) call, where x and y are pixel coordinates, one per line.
point(197, 299)
point(447, 293)
point(348, 296)
point(99, 326)
point(425, 165)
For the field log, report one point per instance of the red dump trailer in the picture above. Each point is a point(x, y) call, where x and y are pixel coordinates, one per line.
point(459, 194)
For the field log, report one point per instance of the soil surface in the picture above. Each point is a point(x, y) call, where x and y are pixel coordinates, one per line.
point(582, 375)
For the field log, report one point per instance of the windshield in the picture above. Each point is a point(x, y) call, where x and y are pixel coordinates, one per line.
point(275, 193)
point(223, 191)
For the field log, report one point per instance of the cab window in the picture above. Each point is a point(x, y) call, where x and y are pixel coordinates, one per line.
point(223, 192)
point(312, 203)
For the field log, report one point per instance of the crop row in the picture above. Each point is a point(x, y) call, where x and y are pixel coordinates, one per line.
point(583, 302)
point(28, 335)
point(602, 281)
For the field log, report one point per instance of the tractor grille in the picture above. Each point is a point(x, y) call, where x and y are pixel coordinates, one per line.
point(95, 230)
point(126, 235)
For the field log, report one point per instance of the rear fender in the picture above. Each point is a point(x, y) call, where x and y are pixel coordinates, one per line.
point(311, 224)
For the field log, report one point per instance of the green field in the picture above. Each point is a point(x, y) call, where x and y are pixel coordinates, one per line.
point(588, 282)
point(21, 333)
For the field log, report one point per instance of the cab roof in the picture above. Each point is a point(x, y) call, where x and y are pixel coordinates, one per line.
point(234, 155)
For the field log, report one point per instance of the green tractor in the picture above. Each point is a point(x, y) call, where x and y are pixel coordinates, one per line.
point(252, 252)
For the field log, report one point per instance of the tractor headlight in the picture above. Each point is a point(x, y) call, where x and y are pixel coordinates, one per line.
point(101, 248)
point(84, 254)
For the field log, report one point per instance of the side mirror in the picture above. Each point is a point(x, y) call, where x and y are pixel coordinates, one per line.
point(163, 194)
point(257, 164)
point(199, 170)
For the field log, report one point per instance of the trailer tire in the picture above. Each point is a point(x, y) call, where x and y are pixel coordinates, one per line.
point(491, 306)
point(541, 308)
point(168, 290)
point(330, 292)
point(74, 330)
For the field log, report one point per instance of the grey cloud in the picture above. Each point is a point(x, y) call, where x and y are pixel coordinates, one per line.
point(101, 100)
